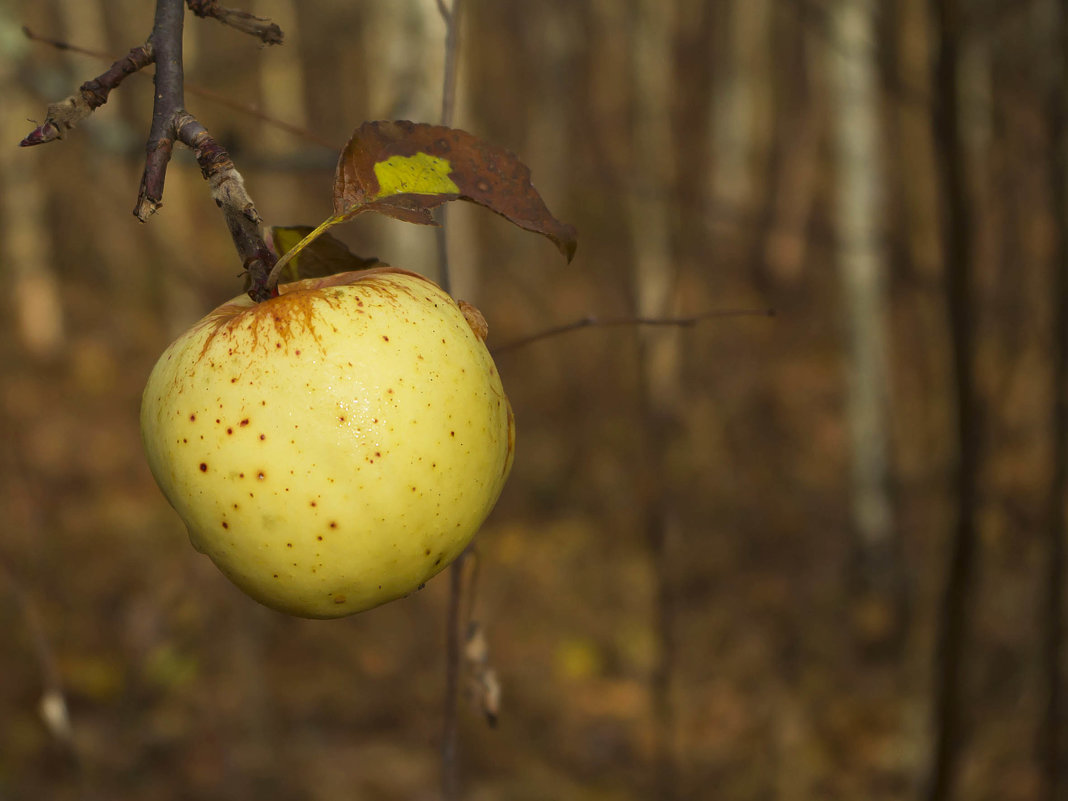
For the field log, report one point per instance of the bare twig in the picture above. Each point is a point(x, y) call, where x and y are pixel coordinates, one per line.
point(450, 781)
point(166, 42)
point(592, 321)
point(65, 114)
point(451, 17)
point(263, 29)
point(483, 685)
point(53, 704)
point(228, 191)
point(450, 773)
point(170, 123)
point(194, 89)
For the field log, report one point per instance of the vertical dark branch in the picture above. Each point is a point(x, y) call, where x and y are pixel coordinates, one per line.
point(652, 31)
point(659, 518)
point(957, 248)
point(1050, 743)
point(450, 771)
point(166, 42)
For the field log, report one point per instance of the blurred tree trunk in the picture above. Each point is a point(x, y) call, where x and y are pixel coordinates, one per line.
point(25, 236)
point(914, 145)
point(1051, 733)
point(407, 38)
point(858, 214)
point(740, 109)
point(795, 181)
point(957, 216)
point(655, 280)
point(283, 90)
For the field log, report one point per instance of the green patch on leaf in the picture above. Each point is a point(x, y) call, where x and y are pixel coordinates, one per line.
point(421, 174)
point(404, 169)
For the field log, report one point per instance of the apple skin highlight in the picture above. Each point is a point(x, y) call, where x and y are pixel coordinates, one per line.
point(335, 447)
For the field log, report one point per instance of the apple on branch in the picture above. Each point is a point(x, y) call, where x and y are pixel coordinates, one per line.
point(334, 447)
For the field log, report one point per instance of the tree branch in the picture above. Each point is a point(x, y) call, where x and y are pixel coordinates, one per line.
point(450, 771)
point(166, 42)
point(950, 702)
point(592, 321)
point(228, 191)
point(263, 29)
point(193, 89)
point(170, 123)
point(92, 94)
point(451, 18)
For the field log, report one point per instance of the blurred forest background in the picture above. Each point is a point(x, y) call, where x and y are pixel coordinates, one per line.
point(731, 562)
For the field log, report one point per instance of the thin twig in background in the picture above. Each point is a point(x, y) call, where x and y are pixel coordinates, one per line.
point(194, 89)
point(1051, 742)
point(592, 321)
point(451, 17)
point(53, 706)
point(64, 115)
point(655, 272)
point(450, 774)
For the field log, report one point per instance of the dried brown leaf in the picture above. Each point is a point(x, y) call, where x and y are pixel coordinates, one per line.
point(404, 169)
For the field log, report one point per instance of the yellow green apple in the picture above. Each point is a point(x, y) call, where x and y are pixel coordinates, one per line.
point(334, 447)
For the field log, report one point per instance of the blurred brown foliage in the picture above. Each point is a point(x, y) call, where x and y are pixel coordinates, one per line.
point(181, 688)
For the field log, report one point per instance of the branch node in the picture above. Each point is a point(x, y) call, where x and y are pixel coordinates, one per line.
point(229, 193)
point(92, 94)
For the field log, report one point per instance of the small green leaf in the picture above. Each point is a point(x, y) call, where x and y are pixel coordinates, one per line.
point(322, 256)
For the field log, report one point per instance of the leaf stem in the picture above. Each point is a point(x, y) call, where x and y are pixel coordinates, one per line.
point(276, 271)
